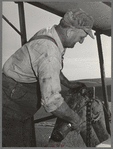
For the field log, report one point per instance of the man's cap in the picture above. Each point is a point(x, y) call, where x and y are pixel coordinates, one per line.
point(77, 18)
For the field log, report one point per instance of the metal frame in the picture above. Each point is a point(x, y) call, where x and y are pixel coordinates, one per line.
point(22, 33)
point(11, 25)
point(104, 89)
point(22, 22)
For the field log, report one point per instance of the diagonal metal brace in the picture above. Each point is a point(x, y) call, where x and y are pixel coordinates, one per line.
point(11, 24)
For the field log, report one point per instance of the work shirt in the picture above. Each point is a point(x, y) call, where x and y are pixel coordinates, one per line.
point(45, 57)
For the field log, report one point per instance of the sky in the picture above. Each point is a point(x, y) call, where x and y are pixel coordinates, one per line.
point(81, 62)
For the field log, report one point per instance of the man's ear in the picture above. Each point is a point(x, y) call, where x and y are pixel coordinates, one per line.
point(69, 32)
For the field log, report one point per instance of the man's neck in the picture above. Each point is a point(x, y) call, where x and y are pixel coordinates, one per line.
point(61, 34)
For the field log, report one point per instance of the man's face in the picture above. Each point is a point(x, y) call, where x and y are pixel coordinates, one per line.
point(75, 36)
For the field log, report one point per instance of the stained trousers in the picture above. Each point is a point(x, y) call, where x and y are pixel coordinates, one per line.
point(20, 101)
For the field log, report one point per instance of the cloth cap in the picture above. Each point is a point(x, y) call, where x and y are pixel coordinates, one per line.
point(77, 18)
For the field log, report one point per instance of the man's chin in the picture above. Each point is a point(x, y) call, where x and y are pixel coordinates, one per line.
point(72, 46)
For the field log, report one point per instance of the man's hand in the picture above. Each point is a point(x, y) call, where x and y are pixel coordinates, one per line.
point(64, 112)
point(82, 89)
point(71, 84)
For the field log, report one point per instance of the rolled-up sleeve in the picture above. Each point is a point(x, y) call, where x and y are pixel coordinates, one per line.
point(49, 70)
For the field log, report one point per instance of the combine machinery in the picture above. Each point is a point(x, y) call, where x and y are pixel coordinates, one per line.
point(94, 112)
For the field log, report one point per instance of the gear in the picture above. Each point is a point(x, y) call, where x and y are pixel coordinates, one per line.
point(97, 110)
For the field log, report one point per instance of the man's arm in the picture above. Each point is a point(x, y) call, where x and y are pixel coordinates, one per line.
point(48, 74)
point(64, 112)
point(64, 81)
point(51, 98)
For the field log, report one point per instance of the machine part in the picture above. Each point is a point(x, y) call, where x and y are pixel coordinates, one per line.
point(78, 103)
point(99, 123)
point(93, 137)
point(61, 131)
point(88, 123)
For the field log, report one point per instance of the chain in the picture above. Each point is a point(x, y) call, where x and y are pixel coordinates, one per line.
point(88, 123)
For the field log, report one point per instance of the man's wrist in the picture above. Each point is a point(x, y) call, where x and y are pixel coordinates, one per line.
point(73, 85)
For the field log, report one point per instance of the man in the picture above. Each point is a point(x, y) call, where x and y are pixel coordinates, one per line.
point(32, 77)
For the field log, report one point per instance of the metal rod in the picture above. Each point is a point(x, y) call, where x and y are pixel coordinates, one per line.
point(44, 119)
point(103, 81)
point(94, 92)
point(22, 22)
point(11, 24)
point(45, 7)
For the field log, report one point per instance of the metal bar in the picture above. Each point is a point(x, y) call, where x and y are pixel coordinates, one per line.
point(105, 32)
point(44, 119)
point(47, 8)
point(94, 92)
point(22, 22)
point(103, 80)
point(11, 24)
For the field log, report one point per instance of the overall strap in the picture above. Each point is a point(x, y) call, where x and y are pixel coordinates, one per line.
point(35, 38)
point(48, 38)
point(44, 37)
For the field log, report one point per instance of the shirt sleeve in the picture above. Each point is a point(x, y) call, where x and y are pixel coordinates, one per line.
point(49, 71)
